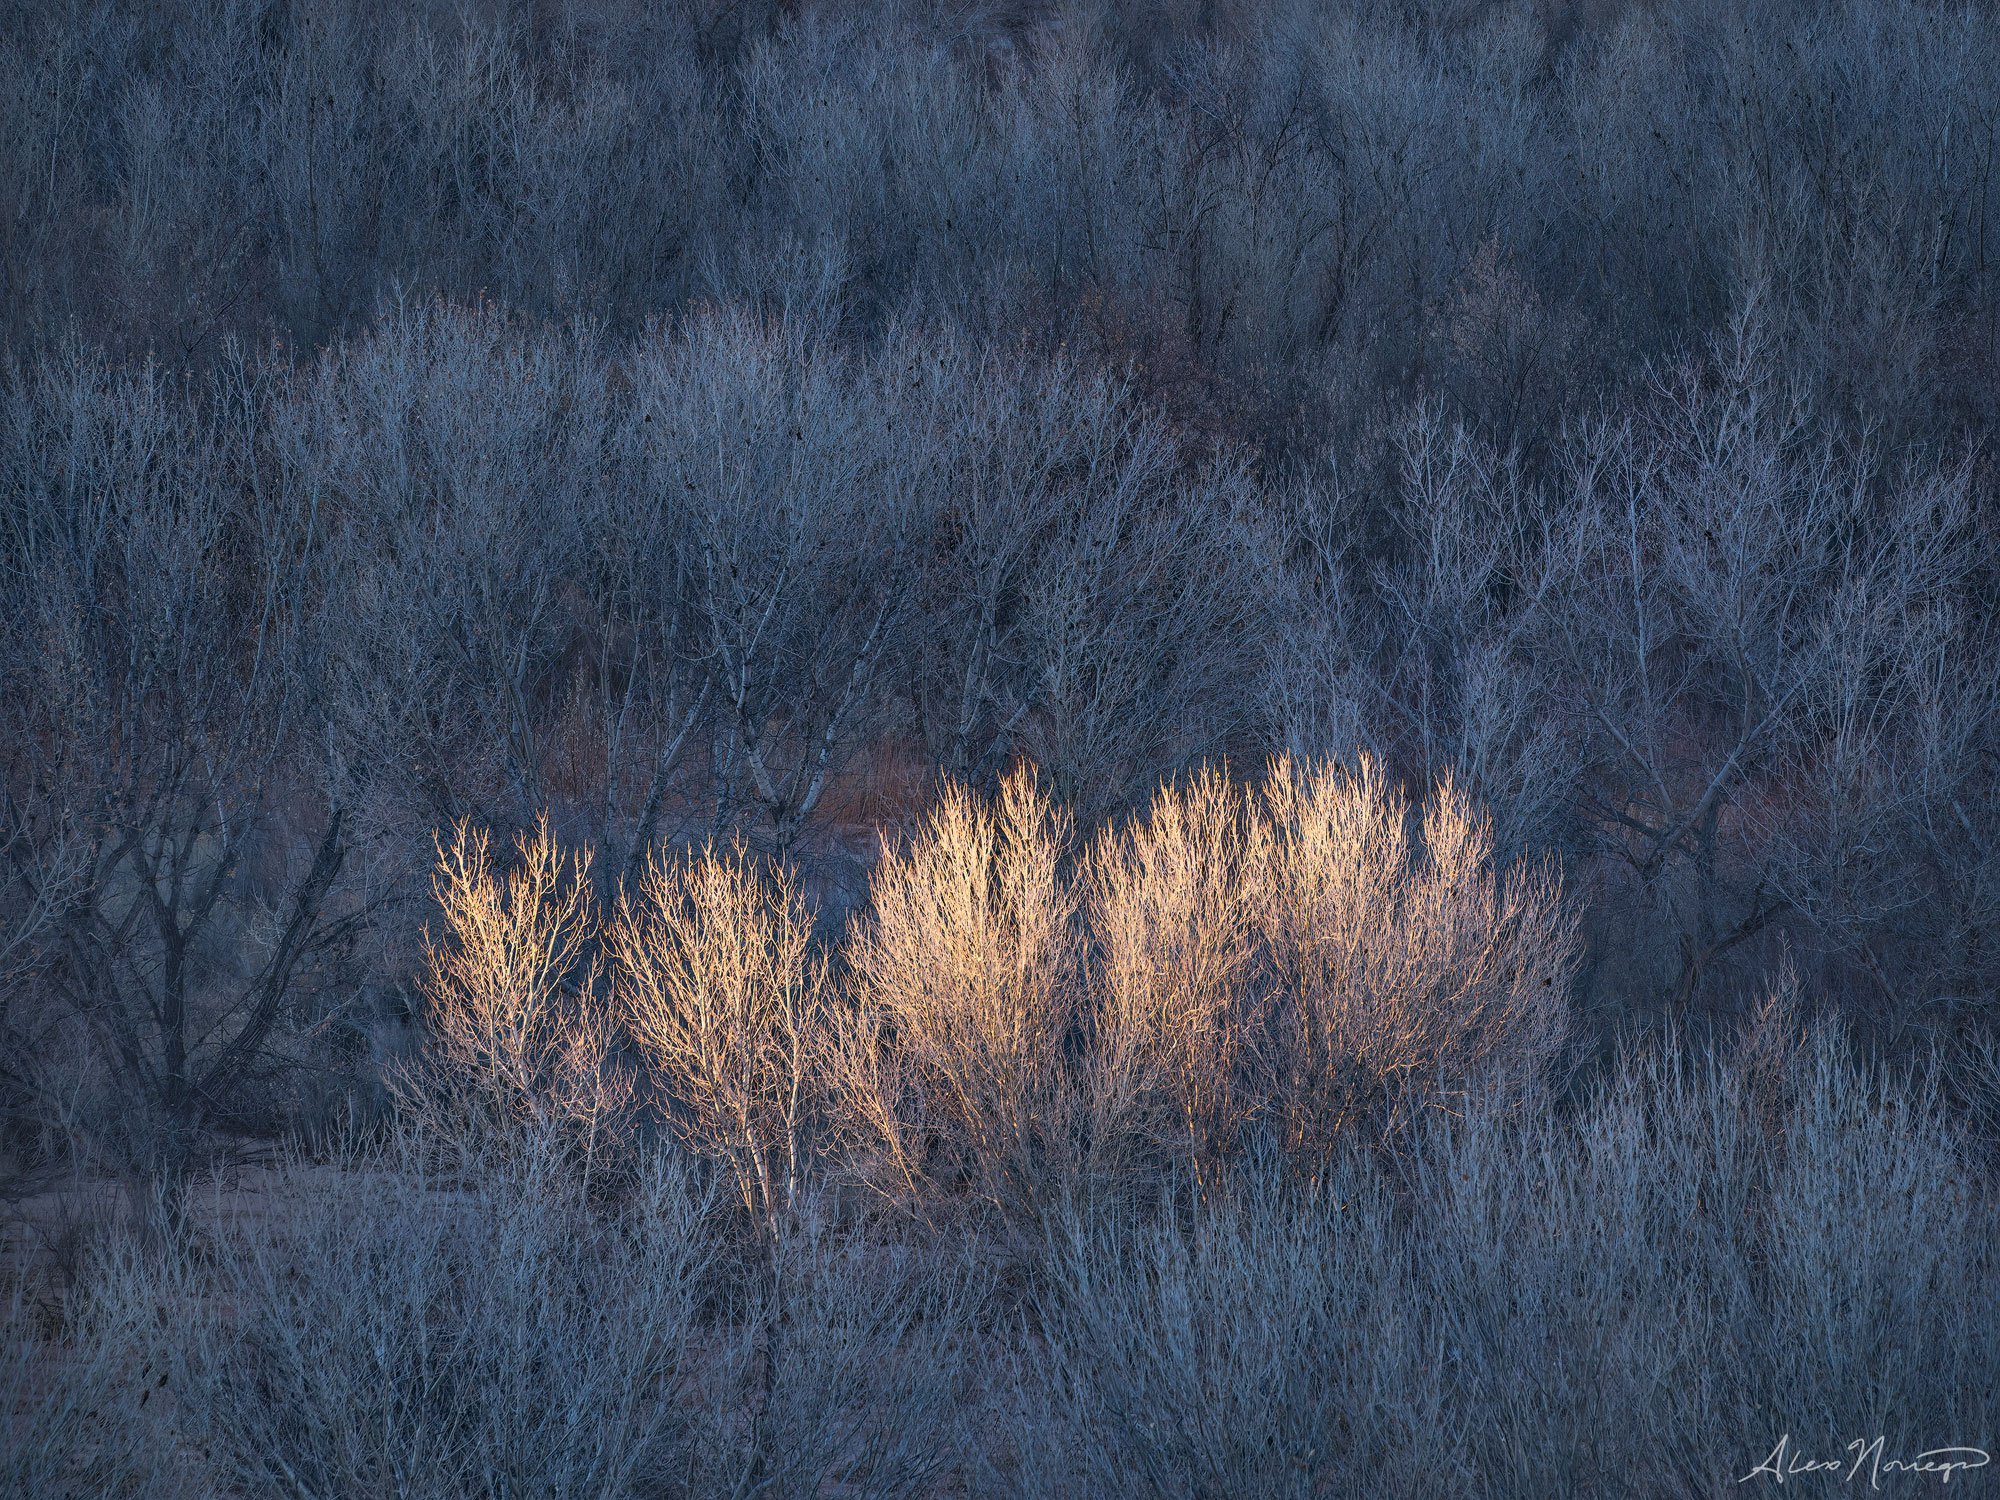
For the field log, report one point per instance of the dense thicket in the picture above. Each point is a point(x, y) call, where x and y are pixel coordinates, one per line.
point(1283, 212)
point(1712, 1252)
point(1479, 517)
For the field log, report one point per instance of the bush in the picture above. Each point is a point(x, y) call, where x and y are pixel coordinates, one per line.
point(74, 1418)
point(1407, 973)
point(381, 1330)
point(397, 1334)
point(1176, 1018)
point(716, 978)
point(520, 1056)
point(1012, 1019)
point(1721, 1248)
point(965, 988)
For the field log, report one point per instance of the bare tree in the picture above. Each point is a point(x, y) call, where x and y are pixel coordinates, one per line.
point(458, 462)
point(1745, 621)
point(521, 1041)
point(965, 988)
point(1085, 600)
point(1176, 1008)
point(802, 501)
point(717, 980)
point(1139, 623)
point(1411, 620)
point(159, 695)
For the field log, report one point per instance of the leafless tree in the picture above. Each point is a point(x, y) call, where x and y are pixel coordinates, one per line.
point(1410, 620)
point(802, 501)
point(1086, 601)
point(161, 705)
point(1746, 623)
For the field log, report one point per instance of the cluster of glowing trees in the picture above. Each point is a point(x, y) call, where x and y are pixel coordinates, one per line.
point(1015, 1015)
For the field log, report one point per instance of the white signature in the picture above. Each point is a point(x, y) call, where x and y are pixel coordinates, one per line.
point(1866, 1455)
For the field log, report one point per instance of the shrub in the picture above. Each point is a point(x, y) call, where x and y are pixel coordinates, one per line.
point(1174, 1014)
point(716, 978)
point(520, 1057)
point(74, 1423)
point(1638, 1300)
point(965, 975)
point(1298, 956)
point(1406, 972)
point(388, 1332)
point(381, 1330)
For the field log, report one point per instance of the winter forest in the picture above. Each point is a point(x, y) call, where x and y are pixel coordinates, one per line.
point(998, 748)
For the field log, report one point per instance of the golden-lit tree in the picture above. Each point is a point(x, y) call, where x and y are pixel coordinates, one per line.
point(1174, 1009)
point(964, 988)
point(717, 979)
point(520, 1040)
point(1407, 968)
